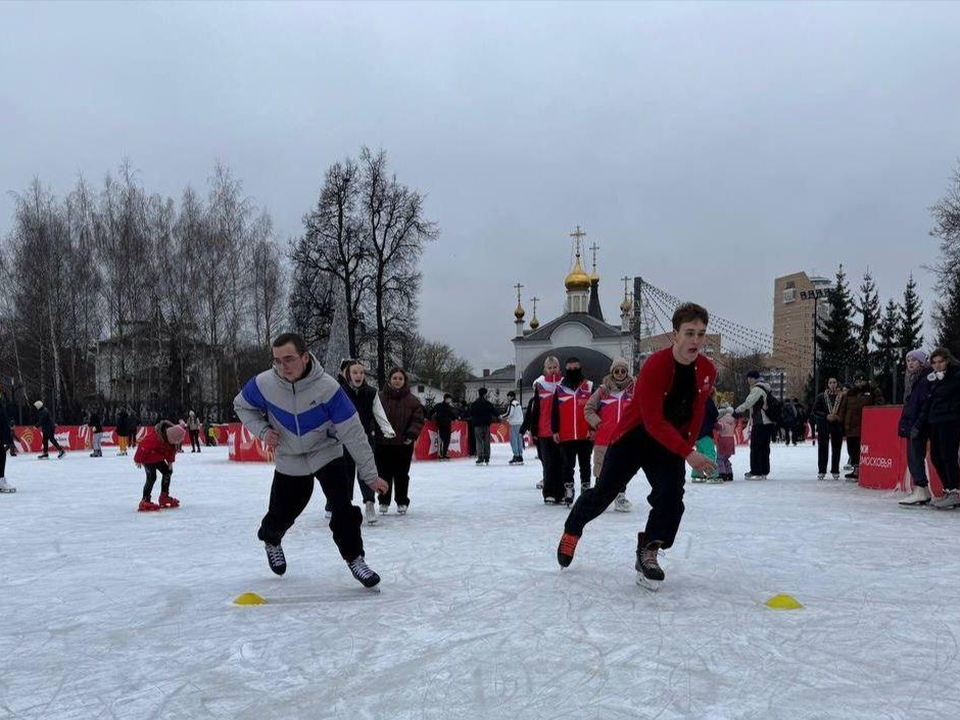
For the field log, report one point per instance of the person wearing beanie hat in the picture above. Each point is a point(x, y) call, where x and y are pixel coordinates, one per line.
point(48, 430)
point(603, 411)
point(916, 389)
point(155, 454)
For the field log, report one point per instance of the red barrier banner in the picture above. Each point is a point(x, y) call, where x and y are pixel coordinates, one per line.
point(428, 444)
point(883, 455)
point(242, 446)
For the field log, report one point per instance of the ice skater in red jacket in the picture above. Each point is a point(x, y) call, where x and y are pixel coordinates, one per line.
point(155, 454)
point(656, 434)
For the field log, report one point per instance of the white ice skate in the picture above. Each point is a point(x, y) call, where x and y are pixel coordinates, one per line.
point(539, 484)
point(5, 487)
point(821, 476)
point(401, 509)
point(621, 504)
point(371, 512)
point(384, 509)
point(950, 500)
point(919, 496)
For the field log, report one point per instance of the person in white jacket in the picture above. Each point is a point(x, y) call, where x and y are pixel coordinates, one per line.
point(514, 417)
point(762, 426)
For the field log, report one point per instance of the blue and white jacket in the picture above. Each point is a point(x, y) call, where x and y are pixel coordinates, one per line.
point(314, 418)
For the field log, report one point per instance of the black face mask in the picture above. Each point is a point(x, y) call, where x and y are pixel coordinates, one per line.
point(574, 377)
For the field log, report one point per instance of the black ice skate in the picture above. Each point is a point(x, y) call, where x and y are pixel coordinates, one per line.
point(568, 494)
point(278, 563)
point(649, 572)
point(367, 577)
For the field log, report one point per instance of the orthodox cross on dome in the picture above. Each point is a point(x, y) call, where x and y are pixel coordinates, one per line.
point(594, 249)
point(534, 323)
point(578, 235)
point(519, 312)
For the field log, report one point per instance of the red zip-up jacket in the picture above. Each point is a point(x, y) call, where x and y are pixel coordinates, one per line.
point(152, 450)
point(567, 418)
point(545, 388)
point(653, 384)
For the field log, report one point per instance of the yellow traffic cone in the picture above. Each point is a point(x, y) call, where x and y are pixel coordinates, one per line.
point(783, 602)
point(250, 598)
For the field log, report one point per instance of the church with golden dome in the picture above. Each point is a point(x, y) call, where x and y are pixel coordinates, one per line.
point(581, 330)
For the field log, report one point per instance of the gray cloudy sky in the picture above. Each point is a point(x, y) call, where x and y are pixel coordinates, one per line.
point(708, 147)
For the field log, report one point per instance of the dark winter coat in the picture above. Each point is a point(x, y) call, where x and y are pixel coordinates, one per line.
point(483, 413)
point(710, 416)
point(45, 422)
point(820, 409)
point(405, 413)
point(943, 403)
point(789, 414)
point(6, 434)
point(912, 414)
point(94, 422)
point(851, 409)
point(123, 423)
point(362, 398)
point(531, 417)
point(444, 413)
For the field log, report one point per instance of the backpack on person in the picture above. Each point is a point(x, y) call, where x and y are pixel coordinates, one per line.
point(773, 408)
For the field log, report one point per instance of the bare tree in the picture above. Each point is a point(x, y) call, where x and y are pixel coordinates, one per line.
point(394, 231)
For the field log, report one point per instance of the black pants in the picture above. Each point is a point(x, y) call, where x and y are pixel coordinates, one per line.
point(853, 450)
point(577, 452)
point(194, 441)
point(829, 440)
point(944, 445)
point(665, 473)
point(917, 460)
point(152, 469)
point(552, 460)
point(132, 439)
point(290, 495)
point(481, 435)
point(48, 439)
point(760, 449)
point(443, 437)
point(393, 464)
point(3, 460)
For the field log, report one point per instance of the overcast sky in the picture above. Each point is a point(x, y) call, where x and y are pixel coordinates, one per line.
point(707, 147)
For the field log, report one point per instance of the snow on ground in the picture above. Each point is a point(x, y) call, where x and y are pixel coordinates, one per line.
point(112, 614)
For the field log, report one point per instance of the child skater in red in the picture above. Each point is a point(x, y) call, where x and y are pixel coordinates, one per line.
point(156, 453)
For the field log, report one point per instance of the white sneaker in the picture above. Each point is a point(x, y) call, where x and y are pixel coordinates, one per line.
point(621, 504)
point(919, 496)
point(6, 487)
point(371, 512)
point(401, 509)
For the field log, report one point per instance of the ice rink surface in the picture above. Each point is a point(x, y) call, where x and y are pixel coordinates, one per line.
point(108, 613)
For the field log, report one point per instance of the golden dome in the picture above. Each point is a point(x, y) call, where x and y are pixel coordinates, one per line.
point(519, 313)
point(534, 324)
point(577, 279)
point(626, 306)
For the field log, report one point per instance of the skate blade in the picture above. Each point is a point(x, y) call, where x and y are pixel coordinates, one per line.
point(648, 584)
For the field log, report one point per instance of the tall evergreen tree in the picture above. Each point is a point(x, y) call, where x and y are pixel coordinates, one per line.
point(868, 305)
point(836, 342)
point(946, 228)
point(910, 329)
point(948, 319)
point(889, 356)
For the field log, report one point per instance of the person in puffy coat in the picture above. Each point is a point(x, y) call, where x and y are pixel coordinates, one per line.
point(603, 411)
point(860, 396)
point(353, 380)
point(916, 388)
point(394, 455)
point(726, 442)
point(941, 414)
point(156, 454)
